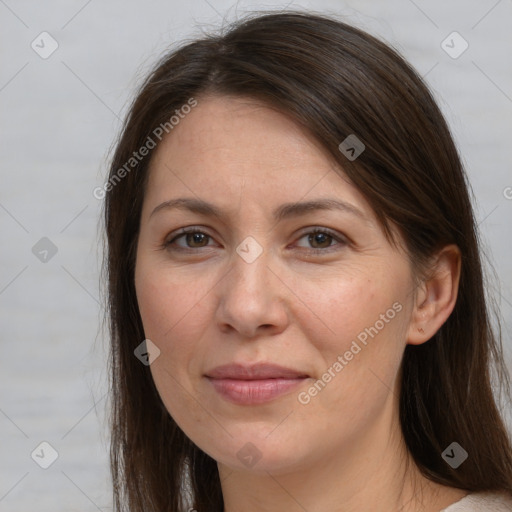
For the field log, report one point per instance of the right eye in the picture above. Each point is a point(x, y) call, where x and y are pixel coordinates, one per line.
point(191, 236)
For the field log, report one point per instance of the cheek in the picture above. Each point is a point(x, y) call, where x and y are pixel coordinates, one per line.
point(174, 319)
point(344, 307)
point(364, 323)
point(166, 303)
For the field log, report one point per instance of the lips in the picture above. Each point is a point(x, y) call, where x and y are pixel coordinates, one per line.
point(254, 372)
point(255, 384)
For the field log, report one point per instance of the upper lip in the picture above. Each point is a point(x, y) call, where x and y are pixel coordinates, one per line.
point(257, 371)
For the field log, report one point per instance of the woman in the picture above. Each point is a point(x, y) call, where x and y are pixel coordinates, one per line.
point(295, 289)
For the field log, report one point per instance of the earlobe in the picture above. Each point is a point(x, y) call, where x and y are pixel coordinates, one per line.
point(435, 296)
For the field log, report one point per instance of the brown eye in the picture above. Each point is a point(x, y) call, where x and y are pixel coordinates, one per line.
point(320, 240)
point(194, 239)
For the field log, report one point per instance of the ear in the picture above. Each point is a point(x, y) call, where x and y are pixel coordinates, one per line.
point(435, 297)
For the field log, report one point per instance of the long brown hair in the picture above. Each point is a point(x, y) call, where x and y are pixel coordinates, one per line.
point(335, 80)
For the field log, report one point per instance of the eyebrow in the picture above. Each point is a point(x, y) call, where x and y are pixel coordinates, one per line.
point(285, 211)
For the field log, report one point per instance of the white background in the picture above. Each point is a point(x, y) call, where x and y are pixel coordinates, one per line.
point(59, 117)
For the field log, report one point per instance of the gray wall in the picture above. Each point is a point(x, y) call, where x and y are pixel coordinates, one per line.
point(59, 116)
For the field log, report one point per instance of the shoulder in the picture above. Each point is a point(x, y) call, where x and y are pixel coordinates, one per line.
point(482, 502)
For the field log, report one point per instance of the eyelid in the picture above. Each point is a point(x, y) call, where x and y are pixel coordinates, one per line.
point(183, 231)
point(322, 229)
point(341, 239)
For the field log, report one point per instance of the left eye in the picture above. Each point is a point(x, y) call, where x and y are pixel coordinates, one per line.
point(191, 236)
point(196, 239)
point(322, 238)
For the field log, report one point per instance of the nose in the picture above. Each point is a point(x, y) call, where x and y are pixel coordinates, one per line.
point(252, 299)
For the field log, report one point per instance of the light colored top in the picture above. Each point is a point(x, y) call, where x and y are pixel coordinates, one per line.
point(482, 502)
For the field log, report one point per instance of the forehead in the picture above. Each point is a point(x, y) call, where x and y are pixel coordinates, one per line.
point(242, 130)
point(240, 149)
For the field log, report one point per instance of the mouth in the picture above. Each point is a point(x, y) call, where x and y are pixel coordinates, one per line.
point(255, 384)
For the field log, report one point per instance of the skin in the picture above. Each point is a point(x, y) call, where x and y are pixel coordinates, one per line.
point(343, 450)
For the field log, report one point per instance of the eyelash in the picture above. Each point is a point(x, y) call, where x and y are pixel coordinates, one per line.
point(185, 231)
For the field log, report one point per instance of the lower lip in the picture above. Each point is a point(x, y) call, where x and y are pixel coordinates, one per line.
point(249, 392)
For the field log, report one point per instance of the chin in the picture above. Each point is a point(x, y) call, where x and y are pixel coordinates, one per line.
point(258, 453)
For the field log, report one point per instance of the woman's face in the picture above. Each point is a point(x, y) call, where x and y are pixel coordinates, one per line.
point(312, 327)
